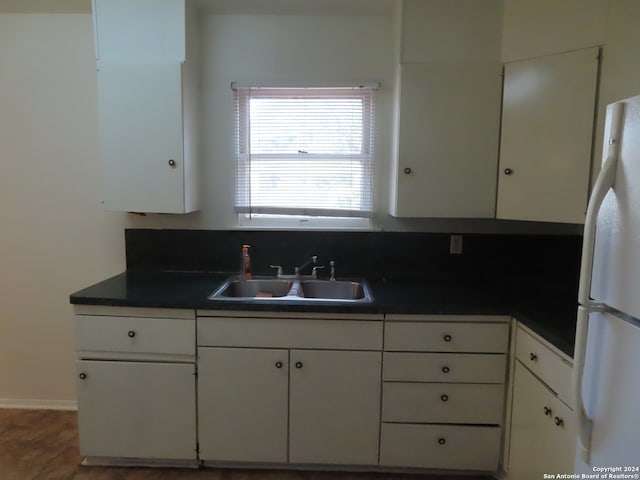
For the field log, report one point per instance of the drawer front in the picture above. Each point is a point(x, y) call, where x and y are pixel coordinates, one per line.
point(442, 403)
point(444, 367)
point(446, 337)
point(440, 446)
point(545, 364)
point(290, 333)
point(99, 336)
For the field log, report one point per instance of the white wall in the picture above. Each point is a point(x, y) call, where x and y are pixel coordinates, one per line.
point(55, 237)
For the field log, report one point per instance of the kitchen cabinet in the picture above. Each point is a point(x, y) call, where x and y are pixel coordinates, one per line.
point(443, 391)
point(446, 132)
point(543, 425)
point(547, 126)
point(147, 105)
point(136, 384)
point(287, 389)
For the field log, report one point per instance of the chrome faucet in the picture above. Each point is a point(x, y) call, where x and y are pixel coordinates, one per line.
point(298, 270)
point(313, 259)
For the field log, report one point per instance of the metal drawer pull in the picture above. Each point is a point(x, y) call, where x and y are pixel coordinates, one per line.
point(533, 357)
point(445, 370)
point(278, 364)
point(442, 441)
point(82, 376)
point(298, 364)
point(547, 410)
point(558, 421)
point(447, 338)
point(444, 397)
point(131, 334)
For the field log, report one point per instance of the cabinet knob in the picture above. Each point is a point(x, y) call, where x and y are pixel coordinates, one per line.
point(444, 397)
point(533, 357)
point(172, 163)
point(558, 421)
point(298, 364)
point(131, 333)
point(82, 376)
point(508, 171)
point(278, 364)
point(442, 441)
point(407, 170)
point(547, 410)
point(447, 338)
point(446, 369)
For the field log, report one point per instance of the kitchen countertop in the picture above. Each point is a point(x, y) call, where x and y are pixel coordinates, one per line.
point(547, 309)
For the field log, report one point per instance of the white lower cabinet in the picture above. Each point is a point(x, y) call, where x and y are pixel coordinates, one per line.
point(443, 395)
point(543, 426)
point(136, 410)
point(136, 384)
point(318, 405)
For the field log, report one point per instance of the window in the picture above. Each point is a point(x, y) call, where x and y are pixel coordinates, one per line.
point(304, 151)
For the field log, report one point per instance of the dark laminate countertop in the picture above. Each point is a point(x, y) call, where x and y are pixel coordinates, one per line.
point(547, 309)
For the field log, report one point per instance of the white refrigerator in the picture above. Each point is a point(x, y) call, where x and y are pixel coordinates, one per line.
point(607, 354)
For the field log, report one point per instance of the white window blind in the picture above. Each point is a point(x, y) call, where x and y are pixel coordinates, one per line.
point(304, 151)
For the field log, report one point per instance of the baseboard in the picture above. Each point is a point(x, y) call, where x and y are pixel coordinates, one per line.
point(32, 404)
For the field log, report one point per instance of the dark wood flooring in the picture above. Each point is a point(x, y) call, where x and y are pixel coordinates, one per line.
point(43, 445)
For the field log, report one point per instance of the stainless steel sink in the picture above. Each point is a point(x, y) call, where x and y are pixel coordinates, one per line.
point(335, 290)
point(273, 290)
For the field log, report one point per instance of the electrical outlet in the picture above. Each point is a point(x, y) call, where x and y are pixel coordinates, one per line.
point(455, 244)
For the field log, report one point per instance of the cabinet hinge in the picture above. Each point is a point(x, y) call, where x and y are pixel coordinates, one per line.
point(197, 447)
point(195, 372)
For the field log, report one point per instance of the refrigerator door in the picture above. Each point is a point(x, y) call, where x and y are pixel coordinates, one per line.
point(616, 262)
point(611, 392)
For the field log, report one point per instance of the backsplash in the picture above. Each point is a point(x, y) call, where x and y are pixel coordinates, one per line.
point(377, 255)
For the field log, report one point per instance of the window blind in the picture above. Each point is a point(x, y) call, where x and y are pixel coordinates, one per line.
point(304, 151)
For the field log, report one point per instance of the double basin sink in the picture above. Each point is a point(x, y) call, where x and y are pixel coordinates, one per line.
point(296, 290)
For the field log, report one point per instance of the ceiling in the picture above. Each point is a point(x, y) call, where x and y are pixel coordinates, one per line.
point(294, 7)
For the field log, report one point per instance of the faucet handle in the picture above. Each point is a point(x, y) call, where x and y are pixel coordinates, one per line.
point(279, 271)
point(332, 264)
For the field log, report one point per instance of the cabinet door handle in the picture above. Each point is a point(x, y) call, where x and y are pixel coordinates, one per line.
point(407, 171)
point(298, 364)
point(446, 369)
point(279, 364)
point(131, 333)
point(82, 376)
point(558, 421)
point(442, 441)
point(444, 397)
point(508, 171)
point(547, 410)
point(172, 163)
point(533, 357)
point(447, 338)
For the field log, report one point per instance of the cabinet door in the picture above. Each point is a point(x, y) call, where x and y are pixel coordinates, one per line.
point(140, 29)
point(141, 136)
point(242, 404)
point(137, 409)
point(538, 445)
point(447, 140)
point(334, 410)
point(547, 127)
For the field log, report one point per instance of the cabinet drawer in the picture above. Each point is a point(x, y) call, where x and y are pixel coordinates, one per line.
point(446, 337)
point(444, 367)
point(442, 403)
point(289, 333)
point(134, 337)
point(545, 364)
point(440, 446)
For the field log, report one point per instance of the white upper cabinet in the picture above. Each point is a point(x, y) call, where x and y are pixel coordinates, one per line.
point(147, 98)
point(547, 128)
point(447, 101)
point(140, 30)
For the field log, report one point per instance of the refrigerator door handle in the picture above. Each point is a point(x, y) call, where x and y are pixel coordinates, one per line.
point(585, 424)
point(604, 182)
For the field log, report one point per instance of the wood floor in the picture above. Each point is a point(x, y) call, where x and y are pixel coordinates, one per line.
point(43, 445)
